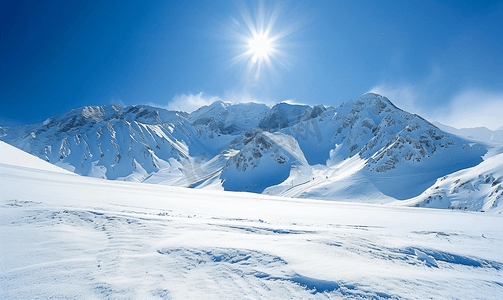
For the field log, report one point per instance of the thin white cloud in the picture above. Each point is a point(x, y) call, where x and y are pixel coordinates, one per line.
point(244, 97)
point(410, 97)
point(470, 108)
point(117, 101)
point(293, 102)
point(405, 97)
point(190, 102)
point(475, 108)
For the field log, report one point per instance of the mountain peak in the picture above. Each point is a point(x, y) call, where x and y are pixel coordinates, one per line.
point(96, 113)
point(378, 99)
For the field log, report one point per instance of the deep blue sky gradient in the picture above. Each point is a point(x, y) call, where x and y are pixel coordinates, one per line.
point(426, 56)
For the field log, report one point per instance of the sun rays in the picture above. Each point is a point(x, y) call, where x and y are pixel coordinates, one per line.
point(260, 40)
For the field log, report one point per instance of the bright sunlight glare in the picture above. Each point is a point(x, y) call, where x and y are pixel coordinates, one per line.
point(260, 46)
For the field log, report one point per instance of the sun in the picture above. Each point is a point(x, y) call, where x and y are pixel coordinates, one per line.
point(260, 47)
point(261, 38)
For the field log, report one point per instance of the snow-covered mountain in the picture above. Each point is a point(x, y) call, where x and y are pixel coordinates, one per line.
point(364, 150)
point(399, 153)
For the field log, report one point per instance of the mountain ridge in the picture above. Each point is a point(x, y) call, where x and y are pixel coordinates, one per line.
point(254, 147)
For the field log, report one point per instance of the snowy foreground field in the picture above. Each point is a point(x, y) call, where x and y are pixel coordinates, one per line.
point(64, 236)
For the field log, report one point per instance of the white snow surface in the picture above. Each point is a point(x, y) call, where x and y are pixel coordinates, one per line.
point(73, 237)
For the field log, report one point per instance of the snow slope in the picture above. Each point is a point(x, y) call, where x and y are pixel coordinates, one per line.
point(10, 155)
point(65, 236)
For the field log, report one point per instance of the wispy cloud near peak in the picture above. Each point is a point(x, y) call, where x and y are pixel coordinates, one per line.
point(475, 108)
point(190, 102)
point(404, 96)
point(469, 108)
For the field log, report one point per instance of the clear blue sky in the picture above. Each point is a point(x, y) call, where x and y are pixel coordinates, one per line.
point(441, 60)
